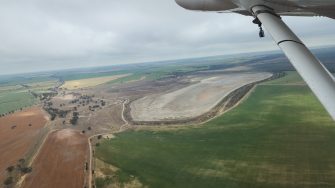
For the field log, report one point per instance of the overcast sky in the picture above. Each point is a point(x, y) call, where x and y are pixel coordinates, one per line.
point(55, 34)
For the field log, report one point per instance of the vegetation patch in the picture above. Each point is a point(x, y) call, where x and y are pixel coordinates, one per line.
point(107, 175)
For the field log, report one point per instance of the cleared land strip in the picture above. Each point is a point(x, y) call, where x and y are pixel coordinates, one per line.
point(226, 102)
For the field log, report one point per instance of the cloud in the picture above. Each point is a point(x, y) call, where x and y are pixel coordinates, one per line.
point(55, 34)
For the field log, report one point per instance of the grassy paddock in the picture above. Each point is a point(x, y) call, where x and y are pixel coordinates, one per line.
point(280, 137)
point(291, 78)
point(14, 96)
point(11, 100)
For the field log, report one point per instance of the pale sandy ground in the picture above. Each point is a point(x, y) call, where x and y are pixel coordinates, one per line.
point(67, 97)
point(90, 82)
point(193, 100)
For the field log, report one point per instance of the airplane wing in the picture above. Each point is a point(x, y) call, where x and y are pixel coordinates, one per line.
point(268, 13)
point(303, 7)
point(328, 11)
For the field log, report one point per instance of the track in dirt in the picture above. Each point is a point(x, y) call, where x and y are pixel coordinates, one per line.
point(61, 161)
point(18, 134)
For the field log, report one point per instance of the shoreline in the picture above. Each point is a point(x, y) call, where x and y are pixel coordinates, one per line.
point(227, 103)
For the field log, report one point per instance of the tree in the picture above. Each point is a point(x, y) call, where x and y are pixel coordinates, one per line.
point(75, 118)
point(10, 168)
point(21, 161)
point(26, 170)
point(8, 181)
point(53, 117)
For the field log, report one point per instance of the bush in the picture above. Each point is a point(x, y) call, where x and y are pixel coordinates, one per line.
point(10, 168)
point(74, 120)
point(8, 181)
point(22, 161)
point(26, 170)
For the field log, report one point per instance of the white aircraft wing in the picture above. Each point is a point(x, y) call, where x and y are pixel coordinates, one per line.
point(303, 7)
point(267, 13)
point(281, 7)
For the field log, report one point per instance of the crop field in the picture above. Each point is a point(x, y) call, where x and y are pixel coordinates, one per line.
point(61, 161)
point(279, 137)
point(11, 100)
point(291, 78)
point(18, 134)
point(90, 82)
point(14, 96)
point(42, 87)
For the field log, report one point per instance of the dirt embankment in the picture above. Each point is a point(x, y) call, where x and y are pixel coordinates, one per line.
point(61, 161)
point(225, 104)
point(19, 133)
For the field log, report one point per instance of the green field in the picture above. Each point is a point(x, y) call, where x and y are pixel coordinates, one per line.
point(14, 100)
point(279, 137)
point(291, 78)
point(15, 96)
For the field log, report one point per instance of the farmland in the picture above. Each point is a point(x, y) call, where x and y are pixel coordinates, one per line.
point(15, 99)
point(61, 161)
point(14, 96)
point(90, 82)
point(19, 133)
point(287, 142)
point(271, 139)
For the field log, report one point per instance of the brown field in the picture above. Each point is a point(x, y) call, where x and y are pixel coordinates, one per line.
point(61, 161)
point(90, 82)
point(17, 137)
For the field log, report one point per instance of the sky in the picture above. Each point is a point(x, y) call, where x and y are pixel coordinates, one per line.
point(37, 35)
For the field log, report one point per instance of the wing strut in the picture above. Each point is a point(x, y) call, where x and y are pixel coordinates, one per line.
point(317, 77)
